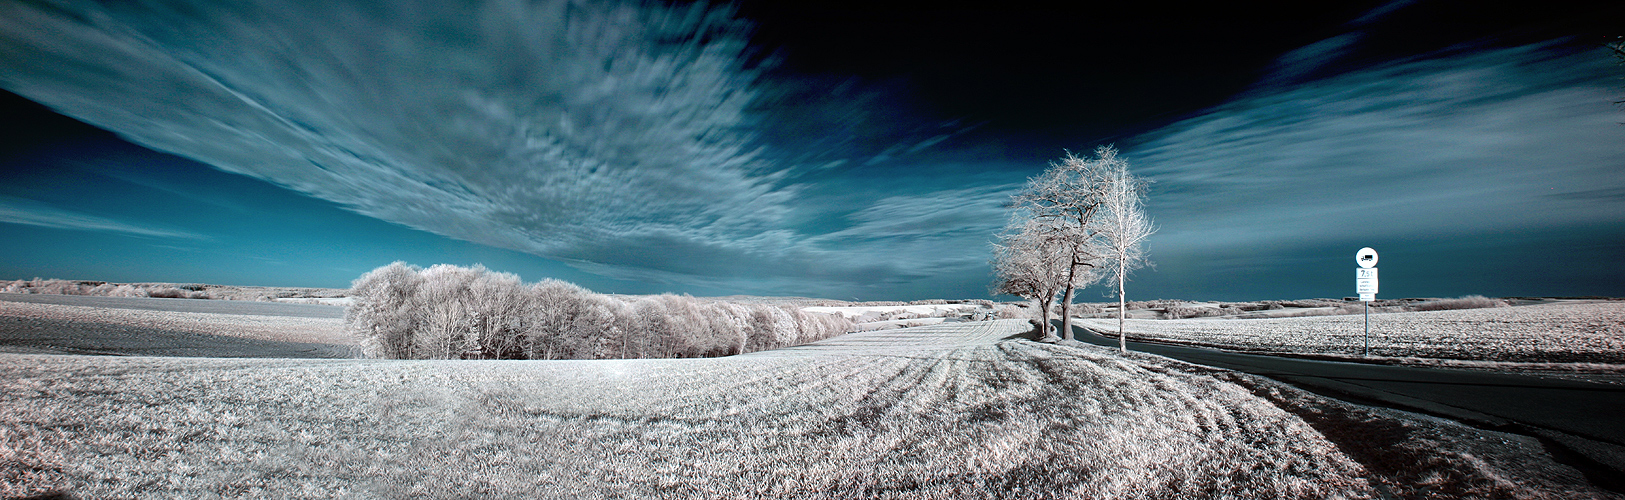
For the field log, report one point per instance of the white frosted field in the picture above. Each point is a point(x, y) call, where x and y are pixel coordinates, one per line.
point(246, 326)
point(955, 411)
point(856, 313)
point(870, 318)
point(325, 301)
point(1562, 332)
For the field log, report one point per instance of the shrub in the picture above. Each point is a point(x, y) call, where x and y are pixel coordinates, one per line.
point(166, 292)
point(1468, 302)
point(450, 312)
point(1136, 305)
point(1181, 312)
point(52, 287)
point(1011, 311)
point(127, 291)
point(1090, 308)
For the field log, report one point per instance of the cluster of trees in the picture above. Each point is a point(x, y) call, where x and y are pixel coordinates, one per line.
point(452, 312)
point(1079, 223)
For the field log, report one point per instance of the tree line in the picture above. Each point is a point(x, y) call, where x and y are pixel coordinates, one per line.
point(452, 312)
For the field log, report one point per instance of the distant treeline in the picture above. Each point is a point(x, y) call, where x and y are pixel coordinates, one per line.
point(104, 289)
point(164, 290)
point(452, 312)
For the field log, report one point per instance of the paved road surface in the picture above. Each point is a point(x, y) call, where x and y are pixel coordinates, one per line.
point(1517, 403)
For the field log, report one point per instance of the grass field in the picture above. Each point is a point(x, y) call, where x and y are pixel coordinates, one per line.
point(956, 410)
point(950, 412)
point(1588, 333)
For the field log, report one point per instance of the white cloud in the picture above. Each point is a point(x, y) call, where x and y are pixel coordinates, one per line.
point(1494, 141)
point(542, 127)
point(33, 213)
point(616, 137)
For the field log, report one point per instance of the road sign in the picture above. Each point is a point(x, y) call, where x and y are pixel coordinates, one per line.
point(1365, 282)
point(1366, 257)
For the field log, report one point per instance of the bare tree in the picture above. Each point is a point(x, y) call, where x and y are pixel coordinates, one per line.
point(1062, 204)
point(1124, 228)
point(1029, 266)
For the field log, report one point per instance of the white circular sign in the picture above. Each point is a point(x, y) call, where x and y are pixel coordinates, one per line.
point(1366, 257)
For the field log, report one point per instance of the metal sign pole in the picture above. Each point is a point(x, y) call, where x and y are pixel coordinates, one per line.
point(1365, 282)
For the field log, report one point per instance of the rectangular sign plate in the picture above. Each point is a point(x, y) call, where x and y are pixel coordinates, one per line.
point(1365, 281)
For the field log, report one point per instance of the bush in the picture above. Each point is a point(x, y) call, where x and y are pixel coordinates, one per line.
point(169, 292)
point(1011, 311)
point(1137, 305)
point(1081, 308)
point(1468, 302)
point(51, 287)
point(1182, 312)
point(451, 312)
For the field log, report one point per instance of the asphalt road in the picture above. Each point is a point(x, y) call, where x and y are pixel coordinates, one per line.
point(1500, 401)
point(183, 305)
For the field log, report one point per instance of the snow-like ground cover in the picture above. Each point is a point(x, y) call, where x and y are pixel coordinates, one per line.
point(1591, 333)
point(256, 327)
point(959, 410)
point(856, 313)
point(326, 301)
point(956, 411)
point(901, 316)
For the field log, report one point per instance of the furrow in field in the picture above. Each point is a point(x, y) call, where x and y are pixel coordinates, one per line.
point(949, 411)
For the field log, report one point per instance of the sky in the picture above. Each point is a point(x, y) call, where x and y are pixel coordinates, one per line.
point(847, 150)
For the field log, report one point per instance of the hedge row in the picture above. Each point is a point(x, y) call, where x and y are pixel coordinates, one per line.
point(452, 312)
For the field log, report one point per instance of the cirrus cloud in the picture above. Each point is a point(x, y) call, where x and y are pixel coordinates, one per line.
point(1446, 144)
point(552, 128)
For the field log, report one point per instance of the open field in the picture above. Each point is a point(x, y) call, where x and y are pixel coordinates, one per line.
point(920, 413)
point(1579, 335)
point(961, 409)
point(882, 317)
point(60, 324)
point(958, 410)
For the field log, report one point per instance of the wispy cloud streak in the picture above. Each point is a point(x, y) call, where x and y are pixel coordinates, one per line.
point(550, 127)
point(33, 213)
point(619, 137)
point(1448, 144)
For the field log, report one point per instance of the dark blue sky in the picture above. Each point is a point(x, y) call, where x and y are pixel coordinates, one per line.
point(808, 148)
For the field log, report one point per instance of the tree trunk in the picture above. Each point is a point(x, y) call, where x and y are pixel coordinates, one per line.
point(1122, 343)
point(1043, 318)
point(1066, 315)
